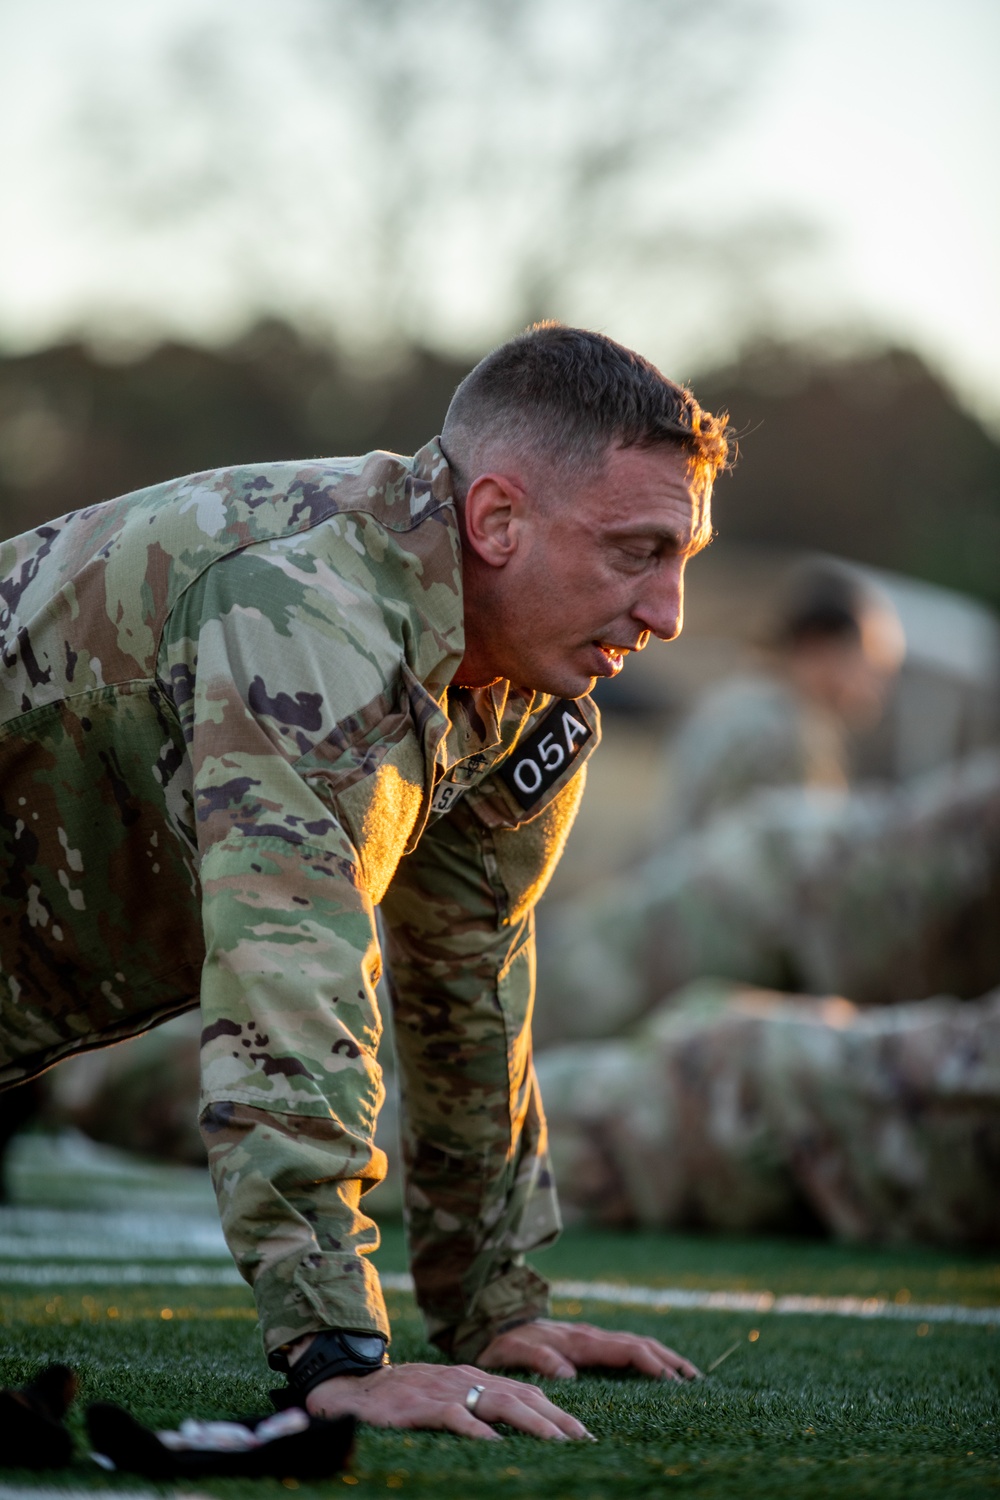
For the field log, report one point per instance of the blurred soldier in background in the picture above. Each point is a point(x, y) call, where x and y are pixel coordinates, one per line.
point(835, 647)
point(880, 896)
point(739, 1109)
point(140, 1096)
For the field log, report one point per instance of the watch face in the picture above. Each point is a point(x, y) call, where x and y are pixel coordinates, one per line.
point(369, 1347)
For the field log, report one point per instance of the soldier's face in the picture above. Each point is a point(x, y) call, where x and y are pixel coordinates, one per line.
point(600, 569)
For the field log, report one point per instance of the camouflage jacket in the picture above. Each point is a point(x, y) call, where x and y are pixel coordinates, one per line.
point(750, 732)
point(228, 735)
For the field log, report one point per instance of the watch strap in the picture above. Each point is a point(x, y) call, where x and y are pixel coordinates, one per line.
point(332, 1352)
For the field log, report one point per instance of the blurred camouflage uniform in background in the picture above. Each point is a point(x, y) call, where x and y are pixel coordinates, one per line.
point(140, 1096)
point(728, 1108)
point(227, 718)
point(832, 650)
point(751, 732)
point(880, 895)
point(743, 1110)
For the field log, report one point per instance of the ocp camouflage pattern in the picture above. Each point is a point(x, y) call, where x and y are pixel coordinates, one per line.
point(754, 730)
point(743, 1110)
point(226, 707)
point(881, 895)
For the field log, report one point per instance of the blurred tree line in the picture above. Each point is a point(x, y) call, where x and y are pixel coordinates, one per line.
point(868, 455)
point(394, 172)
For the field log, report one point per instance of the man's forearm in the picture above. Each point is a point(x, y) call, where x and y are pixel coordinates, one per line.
point(289, 1190)
point(471, 1220)
point(480, 1193)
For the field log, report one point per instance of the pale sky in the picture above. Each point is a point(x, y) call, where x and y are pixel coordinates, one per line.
point(881, 125)
point(871, 129)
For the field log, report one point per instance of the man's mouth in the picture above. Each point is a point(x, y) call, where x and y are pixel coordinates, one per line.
point(613, 655)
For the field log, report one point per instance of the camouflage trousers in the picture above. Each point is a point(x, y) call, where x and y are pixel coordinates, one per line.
point(878, 895)
point(739, 1109)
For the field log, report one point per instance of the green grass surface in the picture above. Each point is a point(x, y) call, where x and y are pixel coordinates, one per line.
point(814, 1406)
point(913, 1273)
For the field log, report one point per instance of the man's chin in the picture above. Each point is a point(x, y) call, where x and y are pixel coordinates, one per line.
point(562, 686)
point(572, 676)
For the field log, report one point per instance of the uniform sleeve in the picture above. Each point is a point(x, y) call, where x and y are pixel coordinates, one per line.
point(460, 949)
point(269, 681)
point(290, 1083)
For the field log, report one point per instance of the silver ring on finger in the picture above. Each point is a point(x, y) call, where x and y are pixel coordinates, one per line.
point(472, 1397)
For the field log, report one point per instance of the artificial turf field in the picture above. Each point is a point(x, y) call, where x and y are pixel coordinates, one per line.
point(811, 1405)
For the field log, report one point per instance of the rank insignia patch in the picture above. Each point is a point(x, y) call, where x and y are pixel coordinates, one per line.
point(544, 756)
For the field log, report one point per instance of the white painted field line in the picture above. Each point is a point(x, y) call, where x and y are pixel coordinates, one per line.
point(660, 1299)
point(42, 1233)
point(665, 1299)
point(18, 1273)
point(183, 1247)
point(18, 1492)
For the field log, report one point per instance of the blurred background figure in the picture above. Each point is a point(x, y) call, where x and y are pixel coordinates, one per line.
point(880, 896)
point(141, 1095)
point(833, 650)
point(740, 1109)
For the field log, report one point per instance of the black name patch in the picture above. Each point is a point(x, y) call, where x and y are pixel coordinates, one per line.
point(545, 754)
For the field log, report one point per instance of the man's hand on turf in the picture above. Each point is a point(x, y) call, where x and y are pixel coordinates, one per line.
point(434, 1396)
point(559, 1350)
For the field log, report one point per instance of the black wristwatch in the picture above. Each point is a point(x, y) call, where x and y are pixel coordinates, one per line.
point(332, 1352)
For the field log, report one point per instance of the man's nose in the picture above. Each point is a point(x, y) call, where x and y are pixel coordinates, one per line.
point(660, 609)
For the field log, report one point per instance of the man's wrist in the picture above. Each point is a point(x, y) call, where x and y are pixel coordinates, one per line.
point(520, 1295)
point(332, 1352)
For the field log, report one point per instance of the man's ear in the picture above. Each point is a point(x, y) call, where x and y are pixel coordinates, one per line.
point(492, 514)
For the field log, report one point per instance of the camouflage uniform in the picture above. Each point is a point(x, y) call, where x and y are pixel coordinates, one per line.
point(749, 1111)
point(228, 735)
point(139, 1096)
point(878, 895)
point(751, 732)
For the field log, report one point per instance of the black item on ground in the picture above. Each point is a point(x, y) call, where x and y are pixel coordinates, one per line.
point(32, 1435)
point(18, 1107)
point(290, 1444)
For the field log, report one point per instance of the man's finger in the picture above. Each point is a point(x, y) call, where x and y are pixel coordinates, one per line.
point(602, 1346)
point(682, 1368)
point(542, 1358)
point(501, 1396)
point(567, 1424)
point(549, 1362)
point(496, 1405)
point(643, 1360)
point(456, 1417)
point(531, 1396)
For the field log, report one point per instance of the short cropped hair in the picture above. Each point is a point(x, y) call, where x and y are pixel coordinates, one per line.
point(563, 397)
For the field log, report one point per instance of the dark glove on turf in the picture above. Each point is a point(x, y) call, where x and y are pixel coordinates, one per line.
point(32, 1435)
point(290, 1444)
